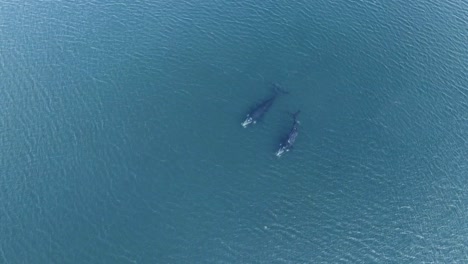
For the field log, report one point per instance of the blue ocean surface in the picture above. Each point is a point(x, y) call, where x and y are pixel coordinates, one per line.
point(120, 135)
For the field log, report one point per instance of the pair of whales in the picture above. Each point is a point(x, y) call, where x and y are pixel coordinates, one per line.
point(260, 110)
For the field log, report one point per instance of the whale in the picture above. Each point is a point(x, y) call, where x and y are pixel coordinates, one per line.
point(288, 143)
point(261, 109)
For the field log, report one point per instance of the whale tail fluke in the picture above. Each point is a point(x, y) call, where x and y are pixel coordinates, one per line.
point(278, 89)
point(296, 114)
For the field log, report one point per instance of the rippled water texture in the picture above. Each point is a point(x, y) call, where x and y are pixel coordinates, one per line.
point(121, 140)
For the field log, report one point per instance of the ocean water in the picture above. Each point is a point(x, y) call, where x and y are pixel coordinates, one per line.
point(121, 140)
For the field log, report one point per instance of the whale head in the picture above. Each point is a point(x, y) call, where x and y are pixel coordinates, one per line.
point(249, 120)
point(280, 152)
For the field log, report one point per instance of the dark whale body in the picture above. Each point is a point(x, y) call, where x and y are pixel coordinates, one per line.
point(260, 110)
point(288, 143)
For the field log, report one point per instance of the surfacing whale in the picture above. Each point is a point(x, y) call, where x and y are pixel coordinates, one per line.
point(288, 143)
point(260, 110)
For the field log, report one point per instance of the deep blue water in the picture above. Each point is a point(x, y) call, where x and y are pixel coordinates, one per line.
point(121, 140)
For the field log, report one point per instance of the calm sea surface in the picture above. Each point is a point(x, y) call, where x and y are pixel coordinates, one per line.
point(120, 136)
